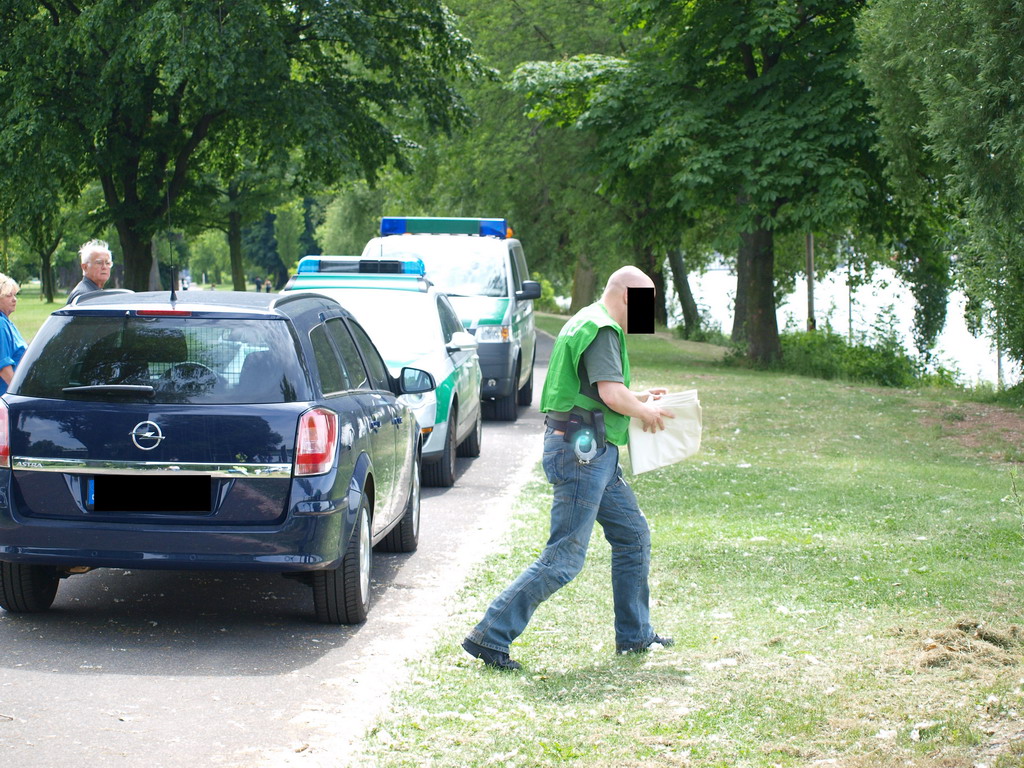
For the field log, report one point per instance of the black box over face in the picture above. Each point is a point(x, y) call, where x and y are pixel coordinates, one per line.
point(640, 310)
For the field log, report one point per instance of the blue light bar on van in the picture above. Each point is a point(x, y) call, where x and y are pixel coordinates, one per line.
point(357, 265)
point(426, 225)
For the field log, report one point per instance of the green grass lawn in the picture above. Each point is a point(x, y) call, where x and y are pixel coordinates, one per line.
point(841, 567)
point(32, 311)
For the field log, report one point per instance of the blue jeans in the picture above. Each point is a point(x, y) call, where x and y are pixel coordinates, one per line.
point(583, 493)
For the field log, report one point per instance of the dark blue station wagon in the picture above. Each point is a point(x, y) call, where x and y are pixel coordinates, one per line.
point(207, 430)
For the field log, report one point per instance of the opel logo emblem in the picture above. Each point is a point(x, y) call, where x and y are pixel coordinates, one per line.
point(146, 435)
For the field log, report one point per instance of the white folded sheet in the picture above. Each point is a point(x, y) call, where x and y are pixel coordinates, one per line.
point(679, 440)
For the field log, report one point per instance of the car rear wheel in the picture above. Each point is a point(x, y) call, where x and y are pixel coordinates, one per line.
point(405, 536)
point(470, 447)
point(441, 474)
point(27, 588)
point(342, 595)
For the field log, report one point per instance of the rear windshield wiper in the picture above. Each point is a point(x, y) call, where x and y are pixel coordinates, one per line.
point(111, 389)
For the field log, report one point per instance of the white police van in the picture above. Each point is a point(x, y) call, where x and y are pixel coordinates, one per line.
point(483, 270)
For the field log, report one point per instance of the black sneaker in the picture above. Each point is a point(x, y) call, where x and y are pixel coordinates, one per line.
point(664, 642)
point(496, 659)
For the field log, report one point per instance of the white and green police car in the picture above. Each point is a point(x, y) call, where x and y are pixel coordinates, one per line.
point(483, 270)
point(409, 320)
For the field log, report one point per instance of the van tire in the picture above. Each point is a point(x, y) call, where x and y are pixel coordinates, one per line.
point(505, 408)
point(525, 397)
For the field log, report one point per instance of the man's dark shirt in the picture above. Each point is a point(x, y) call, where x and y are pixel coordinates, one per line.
point(86, 286)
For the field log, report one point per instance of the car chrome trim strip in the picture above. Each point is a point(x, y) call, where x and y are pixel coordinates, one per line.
point(95, 467)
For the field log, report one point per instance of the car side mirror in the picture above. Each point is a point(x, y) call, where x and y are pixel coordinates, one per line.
point(531, 290)
point(414, 381)
point(462, 341)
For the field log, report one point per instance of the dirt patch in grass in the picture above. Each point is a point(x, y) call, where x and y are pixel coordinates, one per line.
point(989, 429)
point(969, 642)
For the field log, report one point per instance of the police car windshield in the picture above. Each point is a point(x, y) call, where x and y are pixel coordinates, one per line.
point(459, 265)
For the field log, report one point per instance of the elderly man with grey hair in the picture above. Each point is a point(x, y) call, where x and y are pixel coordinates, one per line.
point(96, 263)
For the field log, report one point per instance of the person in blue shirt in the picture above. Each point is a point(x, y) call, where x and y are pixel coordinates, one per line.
point(12, 345)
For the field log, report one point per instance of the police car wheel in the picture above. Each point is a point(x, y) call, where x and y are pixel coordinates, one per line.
point(470, 447)
point(441, 473)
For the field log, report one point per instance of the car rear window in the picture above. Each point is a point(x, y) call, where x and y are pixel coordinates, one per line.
point(165, 359)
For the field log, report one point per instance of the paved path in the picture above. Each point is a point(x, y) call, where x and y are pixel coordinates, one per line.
point(179, 670)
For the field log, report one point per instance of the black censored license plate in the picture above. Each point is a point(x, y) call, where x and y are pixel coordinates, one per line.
point(182, 494)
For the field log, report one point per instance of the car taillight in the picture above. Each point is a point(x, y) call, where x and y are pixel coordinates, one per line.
point(316, 442)
point(5, 437)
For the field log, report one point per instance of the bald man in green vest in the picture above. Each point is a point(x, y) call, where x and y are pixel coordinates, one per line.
point(588, 404)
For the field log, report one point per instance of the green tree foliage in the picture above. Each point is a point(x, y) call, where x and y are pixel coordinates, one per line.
point(506, 165)
point(289, 227)
point(260, 248)
point(745, 111)
point(351, 218)
point(137, 94)
point(209, 259)
point(947, 80)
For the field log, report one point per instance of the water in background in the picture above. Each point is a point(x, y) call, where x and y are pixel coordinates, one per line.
point(957, 349)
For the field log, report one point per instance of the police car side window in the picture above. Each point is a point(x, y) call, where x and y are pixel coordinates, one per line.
point(520, 259)
point(450, 323)
point(378, 371)
point(349, 354)
point(517, 280)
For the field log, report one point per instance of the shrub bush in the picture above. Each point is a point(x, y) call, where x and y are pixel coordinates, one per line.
point(546, 302)
point(827, 355)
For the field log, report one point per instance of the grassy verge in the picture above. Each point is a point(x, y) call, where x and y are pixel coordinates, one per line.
point(32, 311)
point(842, 574)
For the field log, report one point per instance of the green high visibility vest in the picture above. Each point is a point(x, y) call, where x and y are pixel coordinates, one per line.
point(562, 384)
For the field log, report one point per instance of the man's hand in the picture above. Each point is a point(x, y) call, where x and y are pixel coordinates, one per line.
point(636, 405)
point(651, 394)
point(653, 417)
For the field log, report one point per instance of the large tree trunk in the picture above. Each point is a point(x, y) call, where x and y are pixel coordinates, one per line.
point(154, 266)
point(681, 281)
point(739, 318)
point(650, 264)
point(238, 281)
point(137, 253)
point(46, 275)
point(584, 285)
point(756, 280)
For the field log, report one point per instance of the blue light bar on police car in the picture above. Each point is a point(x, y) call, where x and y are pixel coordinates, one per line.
point(428, 225)
point(358, 265)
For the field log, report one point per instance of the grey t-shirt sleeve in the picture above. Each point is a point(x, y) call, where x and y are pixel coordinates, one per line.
point(602, 360)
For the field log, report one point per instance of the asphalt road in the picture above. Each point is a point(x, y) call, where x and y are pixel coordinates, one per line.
point(179, 670)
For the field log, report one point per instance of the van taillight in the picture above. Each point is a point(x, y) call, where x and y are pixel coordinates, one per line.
point(316, 442)
point(5, 437)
